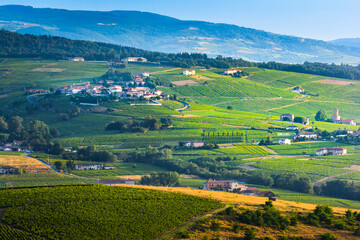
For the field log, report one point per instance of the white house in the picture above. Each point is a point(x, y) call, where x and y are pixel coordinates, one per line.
point(292, 128)
point(307, 135)
point(134, 59)
point(226, 185)
point(195, 144)
point(285, 141)
point(334, 151)
point(189, 72)
point(298, 90)
point(230, 71)
point(77, 59)
point(88, 166)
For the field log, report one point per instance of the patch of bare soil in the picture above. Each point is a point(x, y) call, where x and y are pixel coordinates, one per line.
point(132, 177)
point(201, 77)
point(98, 109)
point(336, 82)
point(48, 69)
point(226, 145)
point(185, 82)
point(185, 116)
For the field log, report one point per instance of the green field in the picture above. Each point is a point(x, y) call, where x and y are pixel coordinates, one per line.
point(96, 212)
point(237, 112)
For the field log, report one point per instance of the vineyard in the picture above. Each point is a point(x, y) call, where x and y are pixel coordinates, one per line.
point(98, 212)
point(40, 179)
point(8, 233)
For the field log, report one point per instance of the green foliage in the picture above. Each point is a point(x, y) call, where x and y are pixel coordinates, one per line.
point(161, 179)
point(8, 233)
point(79, 212)
point(321, 116)
point(327, 236)
point(269, 216)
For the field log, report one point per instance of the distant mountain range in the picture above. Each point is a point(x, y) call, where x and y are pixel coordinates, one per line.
point(352, 42)
point(161, 33)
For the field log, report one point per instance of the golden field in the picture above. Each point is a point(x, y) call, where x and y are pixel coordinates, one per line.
point(28, 164)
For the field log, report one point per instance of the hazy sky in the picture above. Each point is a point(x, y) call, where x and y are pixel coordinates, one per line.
point(319, 19)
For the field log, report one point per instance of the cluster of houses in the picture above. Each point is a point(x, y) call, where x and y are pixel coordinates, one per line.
point(123, 89)
point(231, 186)
point(14, 146)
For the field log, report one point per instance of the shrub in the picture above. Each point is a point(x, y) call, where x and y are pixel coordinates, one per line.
point(328, 236)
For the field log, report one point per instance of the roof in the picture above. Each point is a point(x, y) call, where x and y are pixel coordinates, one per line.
point(84, 164)
point(219, 181)
point(335, 149)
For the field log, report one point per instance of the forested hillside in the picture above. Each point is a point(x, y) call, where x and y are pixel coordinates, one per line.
point(17, 45)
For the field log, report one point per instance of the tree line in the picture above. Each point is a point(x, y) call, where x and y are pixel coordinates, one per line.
point(148, 124)
point(48, 47)
point(35, 133)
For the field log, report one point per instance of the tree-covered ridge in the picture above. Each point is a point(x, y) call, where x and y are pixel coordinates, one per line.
point(162, 33)
point(17, 45)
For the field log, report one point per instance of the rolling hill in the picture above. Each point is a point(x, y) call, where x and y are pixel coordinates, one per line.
point(353, 42)
point(161, 33)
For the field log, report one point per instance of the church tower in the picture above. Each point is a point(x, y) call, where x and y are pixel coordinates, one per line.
point(336, 115)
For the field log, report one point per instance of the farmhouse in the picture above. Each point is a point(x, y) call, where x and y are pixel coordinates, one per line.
point(337, 119)
point(334, 151)
point(283, 117)
point(226, 185)
point(292, 128)
point(134, 59)
point(307, 135)
point(251, 192)
point(194, 144)
point(111, 182)
point(189, 72)
point(230, 71)
point(7, 170)
point(88, 166)
point(298, 90)
point(285, 141)
point(77, 59)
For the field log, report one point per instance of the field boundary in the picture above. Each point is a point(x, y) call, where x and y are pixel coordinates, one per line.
point(191, 220)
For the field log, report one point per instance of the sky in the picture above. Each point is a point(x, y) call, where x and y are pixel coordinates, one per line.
point(318, 19)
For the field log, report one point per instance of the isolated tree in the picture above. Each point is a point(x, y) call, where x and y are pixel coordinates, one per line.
point(299, 120)
point(70, 165)
point(58, 165)
point(286, 119)
point(321, 116)
point(15, 124)
point(3, 125)
point(54, 132)
point(229, 108)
